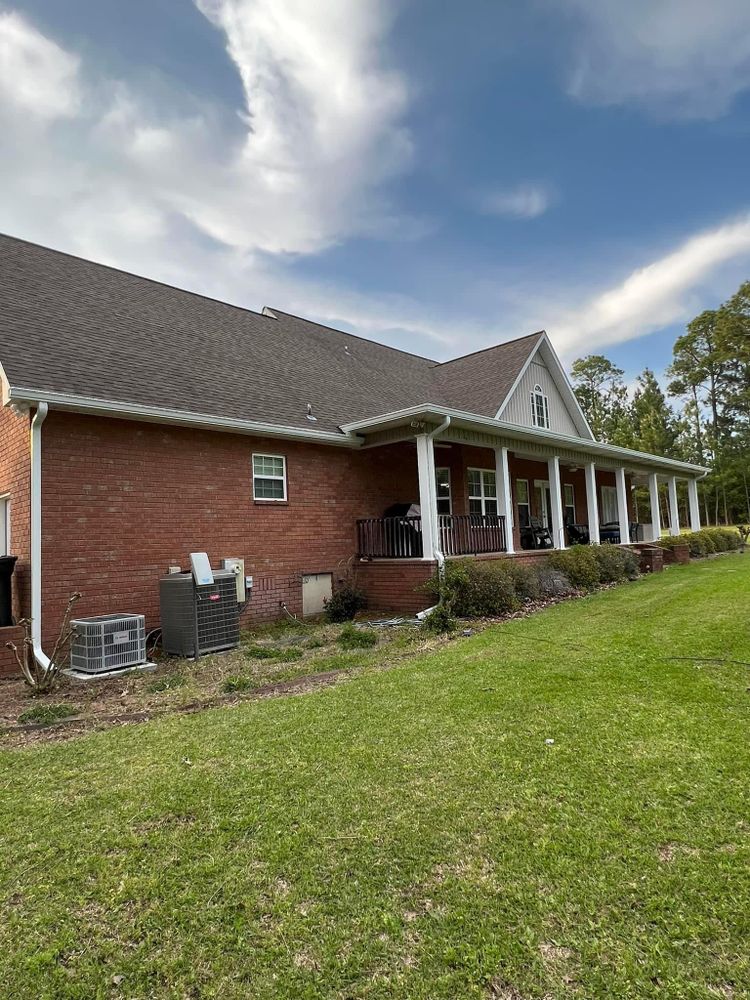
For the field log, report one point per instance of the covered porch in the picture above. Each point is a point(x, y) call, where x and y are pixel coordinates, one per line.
point(470, 492)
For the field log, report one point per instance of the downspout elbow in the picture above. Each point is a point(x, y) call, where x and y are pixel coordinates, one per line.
point(36, 535)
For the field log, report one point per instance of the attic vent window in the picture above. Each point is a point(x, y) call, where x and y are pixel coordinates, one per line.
point(539, 408)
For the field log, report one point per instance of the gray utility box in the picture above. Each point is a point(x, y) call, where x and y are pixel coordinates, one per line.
point(199, 619)
point(108, 642)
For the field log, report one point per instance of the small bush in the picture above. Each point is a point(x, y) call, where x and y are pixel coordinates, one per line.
point(357, 638)
point(552, 583)
point(236, 682)
point(440, 621)
point(615, 563)
point(579, 564)
point(525, 581)
point(345, 603)
point(166, 683)
point(478, 588)
point(47, 714)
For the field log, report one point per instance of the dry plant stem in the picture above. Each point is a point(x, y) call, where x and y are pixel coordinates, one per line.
point(43, 679)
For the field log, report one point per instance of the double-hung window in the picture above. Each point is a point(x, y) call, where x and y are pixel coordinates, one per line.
point(522, 503)
point(539, 408)
point(443, 488)
point(482, 491)
point(269, 477)
point(569, 504)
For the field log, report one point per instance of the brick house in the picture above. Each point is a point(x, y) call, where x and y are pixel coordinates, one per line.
point(141, 423)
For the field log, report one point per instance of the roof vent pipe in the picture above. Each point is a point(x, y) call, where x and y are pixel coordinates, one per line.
point(36, 535)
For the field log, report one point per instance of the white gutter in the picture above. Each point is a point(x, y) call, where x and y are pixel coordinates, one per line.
point(36, 535)
point(166, 415)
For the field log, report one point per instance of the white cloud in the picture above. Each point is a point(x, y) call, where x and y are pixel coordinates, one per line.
point(681, 58)
point(301, 168)
point(526, 201)
point(664, 292)
point(37, 77)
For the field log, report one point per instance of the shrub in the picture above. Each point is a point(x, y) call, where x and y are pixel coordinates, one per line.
point(356, 638)
point(440, 621)
point(579, 564)
point(345, 603)
point(725, 539)
point(615, 563)
point(47, 714)
point(525, 580)
point(552, 583)
point(477, 588)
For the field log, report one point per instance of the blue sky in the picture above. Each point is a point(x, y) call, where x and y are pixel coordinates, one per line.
point(437, 177)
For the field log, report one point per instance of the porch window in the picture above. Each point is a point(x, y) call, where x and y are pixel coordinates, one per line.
point(609, 505)
point(539, 408)
point(269, 477)
point(569, 504)
point(482, 491)
point(522, 503)
point(443, 489)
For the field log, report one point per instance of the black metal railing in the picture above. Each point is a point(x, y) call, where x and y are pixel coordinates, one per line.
point(401, 537)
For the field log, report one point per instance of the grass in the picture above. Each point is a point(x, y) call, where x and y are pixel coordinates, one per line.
point(47, 714)
point(411, 833)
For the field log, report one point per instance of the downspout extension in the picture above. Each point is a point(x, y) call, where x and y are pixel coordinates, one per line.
point(36, 535)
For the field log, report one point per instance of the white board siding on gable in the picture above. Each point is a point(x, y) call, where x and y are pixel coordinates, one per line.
point(518, 410)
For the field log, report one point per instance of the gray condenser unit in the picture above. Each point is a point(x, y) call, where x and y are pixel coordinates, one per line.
point(108, 642)
point(199, 618)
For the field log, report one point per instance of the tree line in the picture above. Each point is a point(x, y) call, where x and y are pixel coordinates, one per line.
point(701, 415)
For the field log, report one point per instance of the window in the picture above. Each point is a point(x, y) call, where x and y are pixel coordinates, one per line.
point(443, 487)
point(522, 503)
point(569, 504)
point(609, 505)
point(539, 408)
point(482, 491)
point(269, 477)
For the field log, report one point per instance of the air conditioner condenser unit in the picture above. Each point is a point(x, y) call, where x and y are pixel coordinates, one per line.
point(107, 643)
point(199, 618)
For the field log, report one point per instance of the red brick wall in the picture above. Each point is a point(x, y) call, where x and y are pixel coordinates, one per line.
point(391, 584)
point(123, 500)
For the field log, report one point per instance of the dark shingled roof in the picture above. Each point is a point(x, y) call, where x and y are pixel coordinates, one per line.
point(72, 326)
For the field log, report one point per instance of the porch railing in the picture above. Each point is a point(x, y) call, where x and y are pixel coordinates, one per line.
point(401, 537)
point(471, 534)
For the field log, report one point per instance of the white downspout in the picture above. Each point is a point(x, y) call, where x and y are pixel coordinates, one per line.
point(36, 535)
point(437, 551)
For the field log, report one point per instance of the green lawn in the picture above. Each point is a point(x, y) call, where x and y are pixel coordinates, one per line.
point(410, 833)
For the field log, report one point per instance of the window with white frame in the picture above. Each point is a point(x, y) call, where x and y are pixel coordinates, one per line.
point(609, 513)
point(569, 504)
point(269, 477)
point(482, 491)
point(523, 504)
point(539, 408)
point(443, 489)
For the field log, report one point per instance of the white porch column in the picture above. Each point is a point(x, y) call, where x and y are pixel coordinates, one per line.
point(557, 529)
point(674, 510)
point(592, 503)
point(653, 496)
point(504, 495)
point(695, 510)
point(622, 505)
point(427, 495)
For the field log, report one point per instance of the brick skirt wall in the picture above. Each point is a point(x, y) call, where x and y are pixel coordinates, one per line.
point(392, 584)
